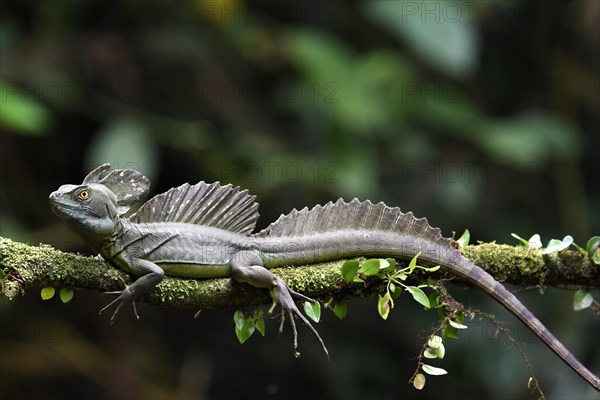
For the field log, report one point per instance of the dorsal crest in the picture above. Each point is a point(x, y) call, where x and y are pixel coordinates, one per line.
point(355, 215)
point(209, 204)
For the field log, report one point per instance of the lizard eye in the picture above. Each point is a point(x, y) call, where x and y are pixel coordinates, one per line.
point(84, 194)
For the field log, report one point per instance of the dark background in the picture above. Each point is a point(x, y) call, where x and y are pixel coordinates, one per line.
point(479, 115)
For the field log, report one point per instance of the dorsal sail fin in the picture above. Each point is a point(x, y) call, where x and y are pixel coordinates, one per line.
point(355, 215)
point(210, 204)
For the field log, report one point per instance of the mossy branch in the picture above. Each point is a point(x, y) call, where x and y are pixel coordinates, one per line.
point(27, 266)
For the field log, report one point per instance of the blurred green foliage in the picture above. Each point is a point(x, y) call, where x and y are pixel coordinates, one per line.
point(480, 114)
point(457, 54)
point(22, 117)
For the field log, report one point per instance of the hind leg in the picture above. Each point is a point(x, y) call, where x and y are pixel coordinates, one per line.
point(247, 266)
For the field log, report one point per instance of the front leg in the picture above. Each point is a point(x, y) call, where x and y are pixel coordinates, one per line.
point(151, 275)
point(247, 266)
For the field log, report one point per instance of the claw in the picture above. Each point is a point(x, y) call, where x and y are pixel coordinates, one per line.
point(272, 308)
point(120, 300)
point(301, 296)
point(137, 316)
point(108, 305)
point(282, 321)
point(114, 316)
point(282, 294)
point(295, 331)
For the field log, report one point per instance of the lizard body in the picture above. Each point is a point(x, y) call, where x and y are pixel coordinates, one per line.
point(204, 231)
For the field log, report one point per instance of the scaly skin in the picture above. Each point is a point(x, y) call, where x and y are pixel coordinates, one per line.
point(152, 250)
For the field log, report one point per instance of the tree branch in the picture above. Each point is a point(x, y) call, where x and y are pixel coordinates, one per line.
point(25, 266)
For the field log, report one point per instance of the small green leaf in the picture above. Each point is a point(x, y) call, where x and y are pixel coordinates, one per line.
point(457, 325)
point(260, 326)
point(392, 287)
point(391, 265)
point(434, 299)
point(245, 331)
point(592, 249)
point(383, 305)
point(582, 299)
point(535, 241)
point(437, 352)
point(429, 269)
point(197, 313)
point(349, 270)
point(428, 369)
point(258, 313)
point(520, 239)
point(47, 293)
point(396, 293)
point(413, 263)
point(592, 245)
point(459, 317)
point(402, 276)
point(239, 318)
point(2, 274)
point(383, 264)
point(450, 332)
point(556, 245)
point(419, 382)
point(371, 267)
point(464, 239)
point(419, 296)
point(244, 326)
point(340, 310)
point(66, 295)
point(434, 342)
point(259, 320)
point(553, 245)
point(430, 353)
point(313, 310)
point(441, 351)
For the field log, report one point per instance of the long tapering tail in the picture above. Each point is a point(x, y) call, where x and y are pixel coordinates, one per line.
point(466, 269)
point(342, 230)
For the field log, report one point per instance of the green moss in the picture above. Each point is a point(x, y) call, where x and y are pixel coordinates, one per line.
point(315, 278)
point(507, 262)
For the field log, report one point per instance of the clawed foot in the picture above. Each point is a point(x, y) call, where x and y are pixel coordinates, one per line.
point(282, 296)
point(124, 296)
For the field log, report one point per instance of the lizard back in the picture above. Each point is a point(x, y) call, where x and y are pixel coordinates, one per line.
point(209, 204)
point(191, 231)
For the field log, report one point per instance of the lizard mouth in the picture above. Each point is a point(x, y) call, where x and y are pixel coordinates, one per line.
point(60, 207)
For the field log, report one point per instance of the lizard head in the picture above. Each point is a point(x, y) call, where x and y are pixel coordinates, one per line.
point(94, 207)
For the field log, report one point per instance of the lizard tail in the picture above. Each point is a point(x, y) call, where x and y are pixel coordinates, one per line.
point(342, 230)
point(467, 270)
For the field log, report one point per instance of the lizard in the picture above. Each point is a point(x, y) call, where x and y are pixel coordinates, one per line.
point(205, 231)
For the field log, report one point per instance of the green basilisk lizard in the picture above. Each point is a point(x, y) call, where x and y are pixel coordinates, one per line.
point(205, 231)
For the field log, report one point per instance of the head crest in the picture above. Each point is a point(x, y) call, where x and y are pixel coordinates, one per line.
point(128, 185)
